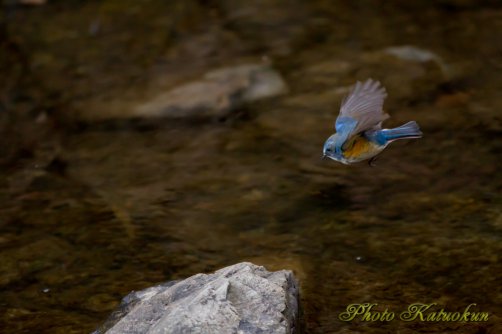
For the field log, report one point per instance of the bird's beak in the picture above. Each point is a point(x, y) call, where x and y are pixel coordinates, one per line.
point(324, 156)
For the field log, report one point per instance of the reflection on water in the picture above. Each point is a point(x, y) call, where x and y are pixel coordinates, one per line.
point(92, 210)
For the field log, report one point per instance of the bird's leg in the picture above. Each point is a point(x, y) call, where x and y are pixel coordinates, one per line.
point(371, 162)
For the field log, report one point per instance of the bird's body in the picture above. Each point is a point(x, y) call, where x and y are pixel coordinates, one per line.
point(361, 149)
point(359, 135)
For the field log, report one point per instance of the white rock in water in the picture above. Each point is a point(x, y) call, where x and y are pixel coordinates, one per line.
point(218, 92)
point(412, 53)
point(408, 52)
point(241, 299)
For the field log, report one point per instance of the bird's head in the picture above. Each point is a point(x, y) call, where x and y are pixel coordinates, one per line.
point(333, 147)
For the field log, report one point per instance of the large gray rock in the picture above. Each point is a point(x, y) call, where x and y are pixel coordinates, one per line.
point(243, 298)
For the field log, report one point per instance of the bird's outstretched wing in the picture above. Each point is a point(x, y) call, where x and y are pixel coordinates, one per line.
point(361, 110)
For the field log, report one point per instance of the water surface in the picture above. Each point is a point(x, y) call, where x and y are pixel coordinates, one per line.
point(93, 210)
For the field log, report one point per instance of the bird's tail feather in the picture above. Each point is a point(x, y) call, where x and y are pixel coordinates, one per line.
point(405, 131)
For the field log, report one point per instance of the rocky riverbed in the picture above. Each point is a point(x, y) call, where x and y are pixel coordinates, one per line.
point(106, 186)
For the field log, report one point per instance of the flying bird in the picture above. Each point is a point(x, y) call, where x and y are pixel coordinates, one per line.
point(359, 135)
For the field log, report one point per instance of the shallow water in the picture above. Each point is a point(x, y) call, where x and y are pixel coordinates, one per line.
point(93, 210)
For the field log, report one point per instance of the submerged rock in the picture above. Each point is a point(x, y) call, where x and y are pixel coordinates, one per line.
point(412, 53)
point(408, 52)
point(215, 94)
point(243, 298)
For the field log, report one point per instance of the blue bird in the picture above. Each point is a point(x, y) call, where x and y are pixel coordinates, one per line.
point(359, 134)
